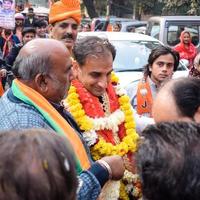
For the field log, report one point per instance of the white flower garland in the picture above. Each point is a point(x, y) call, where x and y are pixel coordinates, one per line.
point(110, 122)
point(110, 191)
point(90, 137)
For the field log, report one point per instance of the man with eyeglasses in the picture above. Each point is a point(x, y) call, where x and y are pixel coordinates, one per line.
point(64, 19)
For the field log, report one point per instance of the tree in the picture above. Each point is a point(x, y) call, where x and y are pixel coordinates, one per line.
point(152, 7)
point(181, 7)
point(194, 8)
point(89, 4)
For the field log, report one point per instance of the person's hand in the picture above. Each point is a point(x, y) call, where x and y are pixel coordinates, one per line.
point(3, 72)
point(117, 166)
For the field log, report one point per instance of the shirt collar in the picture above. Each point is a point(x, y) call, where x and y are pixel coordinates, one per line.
point(151, 83)
point(57, 106)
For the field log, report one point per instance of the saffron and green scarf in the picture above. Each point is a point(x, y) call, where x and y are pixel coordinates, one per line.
point(55, 120)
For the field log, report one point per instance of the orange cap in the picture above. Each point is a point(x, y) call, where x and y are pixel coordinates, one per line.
point(65, 9)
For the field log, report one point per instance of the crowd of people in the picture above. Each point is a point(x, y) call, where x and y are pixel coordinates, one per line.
point(69, 131)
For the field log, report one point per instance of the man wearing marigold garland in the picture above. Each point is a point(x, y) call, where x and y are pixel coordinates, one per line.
point(103, 111)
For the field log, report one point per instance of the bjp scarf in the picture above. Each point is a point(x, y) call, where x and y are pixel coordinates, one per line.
point(144, 97)
point(56, 121)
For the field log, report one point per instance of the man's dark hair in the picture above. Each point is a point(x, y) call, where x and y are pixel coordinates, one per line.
point(98, 25)
point(186, 94)
point(40, 23)
point(30, 9)
point(36, 164)
point(118, 24)
point(168, 161)
point(160, 51)
point(28, 30)
point(92, 45)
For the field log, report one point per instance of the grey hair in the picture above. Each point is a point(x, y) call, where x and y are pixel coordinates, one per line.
point(26, 67)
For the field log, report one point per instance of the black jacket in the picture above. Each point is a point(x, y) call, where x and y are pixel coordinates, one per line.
point(27, 22)
point(10, 58)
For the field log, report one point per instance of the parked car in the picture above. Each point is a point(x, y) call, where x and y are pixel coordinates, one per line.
point(133, 26)
point(127, 24)
point(133, 50)
point(167, 29)
point(112, 20)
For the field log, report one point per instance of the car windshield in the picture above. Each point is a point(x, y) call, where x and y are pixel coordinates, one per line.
point(132, 55)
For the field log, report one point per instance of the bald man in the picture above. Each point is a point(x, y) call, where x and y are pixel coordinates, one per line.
point(33, 101)
point(178, 100)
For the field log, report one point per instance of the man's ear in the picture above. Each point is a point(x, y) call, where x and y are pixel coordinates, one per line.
point(75, 68)
point(50, 28)
point(41, 83)
point(197, 115)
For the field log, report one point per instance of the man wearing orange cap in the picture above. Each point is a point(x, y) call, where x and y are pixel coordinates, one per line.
point(64, 19)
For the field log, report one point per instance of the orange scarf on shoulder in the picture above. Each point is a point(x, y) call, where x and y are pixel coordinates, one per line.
point(144, 97)
point(56, 121)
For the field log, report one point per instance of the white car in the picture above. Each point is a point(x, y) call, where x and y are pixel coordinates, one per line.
point(133, 50)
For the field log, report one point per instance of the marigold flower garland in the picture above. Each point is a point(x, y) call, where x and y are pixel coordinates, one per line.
point(102, 148)
point(99, 147)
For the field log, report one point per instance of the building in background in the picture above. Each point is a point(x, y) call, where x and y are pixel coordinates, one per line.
point(39, 3)
point(22, 4)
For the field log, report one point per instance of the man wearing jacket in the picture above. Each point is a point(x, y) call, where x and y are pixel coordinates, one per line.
point(34, 102)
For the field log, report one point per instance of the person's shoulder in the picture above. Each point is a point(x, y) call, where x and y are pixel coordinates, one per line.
point(177, 47)
point(19, 115)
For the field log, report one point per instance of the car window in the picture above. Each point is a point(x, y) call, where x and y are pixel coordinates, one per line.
point(174, 31)
point(132, 55)
point(155, 30)
point(181, 67)
point(132, 28)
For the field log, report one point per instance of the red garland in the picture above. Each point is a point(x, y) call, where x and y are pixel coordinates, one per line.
point(93, 108)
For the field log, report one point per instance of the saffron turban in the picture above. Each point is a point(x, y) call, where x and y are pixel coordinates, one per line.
point(64, 9)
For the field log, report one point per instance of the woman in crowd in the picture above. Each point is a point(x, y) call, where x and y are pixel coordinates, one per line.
point(185, 48)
